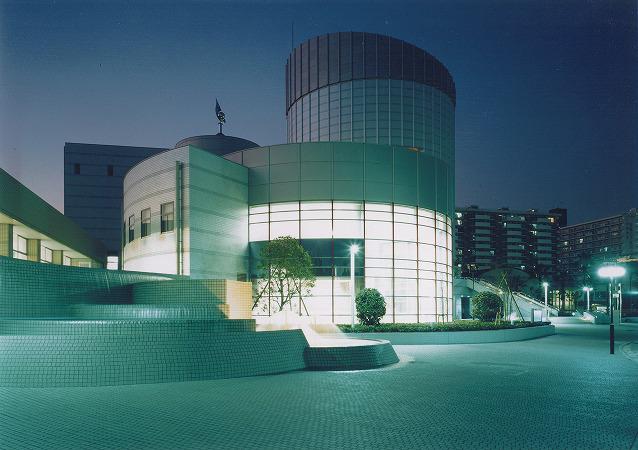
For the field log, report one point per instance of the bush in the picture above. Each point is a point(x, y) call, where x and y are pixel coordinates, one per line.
point(486, 306)
point(457, 325)
point(370, 306)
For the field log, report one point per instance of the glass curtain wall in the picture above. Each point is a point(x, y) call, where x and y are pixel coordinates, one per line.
point(393, 112)
point(405, 253)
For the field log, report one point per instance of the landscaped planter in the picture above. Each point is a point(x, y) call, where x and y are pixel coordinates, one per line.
point(459, 337)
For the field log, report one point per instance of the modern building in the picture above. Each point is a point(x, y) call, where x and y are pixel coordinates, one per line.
point(33, 230)
point(370, 160)
point(487, 239)
point(186, 213)
point(93, 176)
point(586, 246)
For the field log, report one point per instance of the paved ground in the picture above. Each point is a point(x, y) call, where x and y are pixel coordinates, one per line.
point(563, 391)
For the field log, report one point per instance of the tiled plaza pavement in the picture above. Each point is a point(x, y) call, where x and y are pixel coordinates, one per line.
point(562, 391)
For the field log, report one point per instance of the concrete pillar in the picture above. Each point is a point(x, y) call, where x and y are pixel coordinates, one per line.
point(6, 240)
point(33, 250)
point(58, 257)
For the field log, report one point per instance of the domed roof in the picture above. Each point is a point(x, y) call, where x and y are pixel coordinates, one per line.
point(219, 143)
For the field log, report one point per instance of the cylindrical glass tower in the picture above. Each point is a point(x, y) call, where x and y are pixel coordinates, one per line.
point(385, 179)
point(363, 87)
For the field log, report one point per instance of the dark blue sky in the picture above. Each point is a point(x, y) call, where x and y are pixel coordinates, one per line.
point(547, 110)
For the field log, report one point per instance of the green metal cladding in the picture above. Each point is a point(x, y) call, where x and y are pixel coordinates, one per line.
point(350, 172)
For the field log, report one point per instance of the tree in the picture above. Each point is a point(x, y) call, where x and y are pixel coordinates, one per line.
point(486, 306)
point(370, 306)
point(504, 277)
point(286, 273)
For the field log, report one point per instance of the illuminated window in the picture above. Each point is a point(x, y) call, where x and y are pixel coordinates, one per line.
point(288, 228)
point(258, 232)
point(145, 220)
point(46, 254)
point(316, 229)
point(348, 228)
point(19, 247)
point(167, 212)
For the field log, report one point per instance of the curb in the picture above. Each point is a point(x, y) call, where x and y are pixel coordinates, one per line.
point(459, 337)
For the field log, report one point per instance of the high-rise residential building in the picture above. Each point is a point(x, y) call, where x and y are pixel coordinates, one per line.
point(585, 246)
point(487, 239)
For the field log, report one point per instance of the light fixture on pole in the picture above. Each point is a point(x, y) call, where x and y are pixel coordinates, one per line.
point(619, 303)
point(612, 272)
point(354, 249)
point(545, 286)
point(587, 291)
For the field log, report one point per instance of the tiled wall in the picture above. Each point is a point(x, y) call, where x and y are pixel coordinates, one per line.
point(147, 352)
point(35, 290)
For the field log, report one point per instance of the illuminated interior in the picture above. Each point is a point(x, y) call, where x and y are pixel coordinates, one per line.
point(405, 253)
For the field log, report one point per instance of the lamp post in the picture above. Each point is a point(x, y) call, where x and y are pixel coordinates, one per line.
point(619, 303)
point(545, 286)
point(587, 291)
point(354, 249)
point(611, 271)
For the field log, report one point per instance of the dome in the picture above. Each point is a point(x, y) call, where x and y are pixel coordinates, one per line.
point(219, 144)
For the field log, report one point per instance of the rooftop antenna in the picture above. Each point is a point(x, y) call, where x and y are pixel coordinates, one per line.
point(220, 115)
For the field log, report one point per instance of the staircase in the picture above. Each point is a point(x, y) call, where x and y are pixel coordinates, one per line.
point(525, 303)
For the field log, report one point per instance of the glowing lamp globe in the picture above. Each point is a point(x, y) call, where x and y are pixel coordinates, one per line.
point(611, 271)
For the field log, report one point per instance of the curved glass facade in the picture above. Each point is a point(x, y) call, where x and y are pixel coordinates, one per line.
point(406, 253)
point(376, 111)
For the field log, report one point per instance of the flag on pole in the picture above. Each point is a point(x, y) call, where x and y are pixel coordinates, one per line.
point(220, 114)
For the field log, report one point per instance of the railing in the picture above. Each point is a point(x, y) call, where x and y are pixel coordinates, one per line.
point(524, 297)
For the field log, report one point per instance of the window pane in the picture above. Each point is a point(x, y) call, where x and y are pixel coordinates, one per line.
point(348, 229)
point(258, 209)
point(293, 206)
point(316, 229)
point(278, 229)
point(378, 230)
point(258, 232)
point(167, 217)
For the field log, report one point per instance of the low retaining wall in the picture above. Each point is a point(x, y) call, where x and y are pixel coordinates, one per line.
point(373, 354)
point(148, 352)
point(459, 337)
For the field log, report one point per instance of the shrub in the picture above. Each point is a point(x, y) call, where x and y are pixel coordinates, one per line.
point(457, 325)
point(370, 306)
point(486, 306)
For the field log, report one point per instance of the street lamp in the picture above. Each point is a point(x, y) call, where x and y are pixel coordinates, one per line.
point(619, 303)
point(545, 286)
point(587, 291)
point(611, 271)
point(354, 249)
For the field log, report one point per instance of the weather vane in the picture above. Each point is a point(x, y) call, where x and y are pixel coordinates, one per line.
point(220, 115)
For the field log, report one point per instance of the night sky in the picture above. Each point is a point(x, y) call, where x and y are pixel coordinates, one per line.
point(547, 91)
